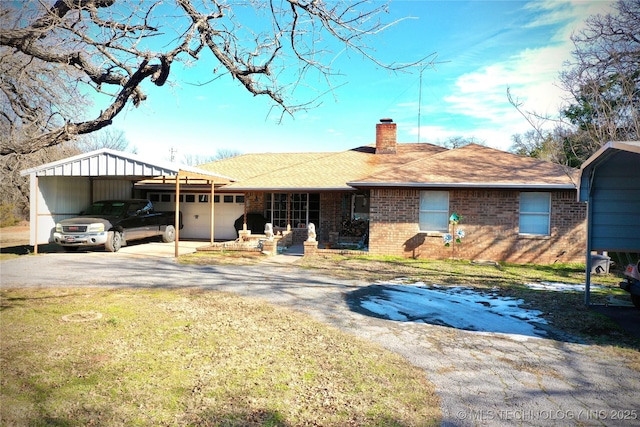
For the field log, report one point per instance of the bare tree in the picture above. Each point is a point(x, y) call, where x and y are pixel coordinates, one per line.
point(461, 141)
point(221, 153)
point(604, 76)
point(533, 144)
point(14, 191)
point(602, 82)
point(34, 95)
point(113, 47)
point(105, 138)
point(560, 145)
point(226, 153)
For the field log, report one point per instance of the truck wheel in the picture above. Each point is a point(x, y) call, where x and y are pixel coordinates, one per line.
point(114, 241)
point(169, 234)
point(635, 299)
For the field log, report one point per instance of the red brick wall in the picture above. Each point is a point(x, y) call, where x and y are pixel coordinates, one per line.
point(331, 215)
point(490, 220)
point(386, 134)
point(254, 202)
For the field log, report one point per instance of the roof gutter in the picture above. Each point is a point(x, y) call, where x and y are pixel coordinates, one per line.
point(462, 185)
point(288, 189)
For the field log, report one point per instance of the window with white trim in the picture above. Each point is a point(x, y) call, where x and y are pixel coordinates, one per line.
point(434, 211)
point(535, 213)
point(299, 209)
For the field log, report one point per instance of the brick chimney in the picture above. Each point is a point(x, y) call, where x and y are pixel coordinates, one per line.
point(386, 137)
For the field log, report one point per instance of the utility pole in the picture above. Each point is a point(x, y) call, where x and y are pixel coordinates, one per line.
point(420, 102)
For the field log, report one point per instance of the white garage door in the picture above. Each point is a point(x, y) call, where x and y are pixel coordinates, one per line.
point(196, 213)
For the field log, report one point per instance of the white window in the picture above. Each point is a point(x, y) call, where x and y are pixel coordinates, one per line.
point(535, 213)
point(434, 211)
point(297, 209)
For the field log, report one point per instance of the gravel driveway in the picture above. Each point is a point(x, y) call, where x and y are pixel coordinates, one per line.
point(482, 378)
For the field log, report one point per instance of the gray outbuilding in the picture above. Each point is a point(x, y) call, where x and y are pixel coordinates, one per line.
point(610, 184)
point(63, 188)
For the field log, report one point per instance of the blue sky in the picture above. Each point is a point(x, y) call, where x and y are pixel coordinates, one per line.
point(482, 48)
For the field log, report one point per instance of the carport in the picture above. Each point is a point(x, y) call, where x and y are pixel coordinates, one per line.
point(61, 189)
point(610, 184)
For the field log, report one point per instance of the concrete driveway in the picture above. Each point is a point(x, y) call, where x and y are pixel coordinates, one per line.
point(140, 248)
point(482, 378)
point(154, 248)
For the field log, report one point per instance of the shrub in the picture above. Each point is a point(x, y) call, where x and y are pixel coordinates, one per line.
point(7, 215)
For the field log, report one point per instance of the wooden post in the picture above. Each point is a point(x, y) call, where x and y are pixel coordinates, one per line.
point(177, 226)
point(288, 211)
point(35, 242)
point(212, 212)
point(244, 220)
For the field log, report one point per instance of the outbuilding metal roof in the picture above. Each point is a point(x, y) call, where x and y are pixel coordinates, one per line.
point(107, 162)
point(612, 148)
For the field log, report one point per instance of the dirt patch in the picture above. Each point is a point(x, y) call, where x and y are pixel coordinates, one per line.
point(82, 316)
point(15, 235)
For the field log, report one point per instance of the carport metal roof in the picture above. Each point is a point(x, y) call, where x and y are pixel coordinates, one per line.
point(107, 162)
point(602, 155)
point(111, 163)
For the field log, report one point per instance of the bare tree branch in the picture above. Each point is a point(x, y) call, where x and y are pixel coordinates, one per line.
point(602, 81)
point(112, 47)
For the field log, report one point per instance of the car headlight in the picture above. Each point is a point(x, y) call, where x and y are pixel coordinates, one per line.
point(95, 228)
point(58, 228)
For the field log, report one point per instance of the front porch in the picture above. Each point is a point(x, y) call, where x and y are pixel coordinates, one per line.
point(341, 219)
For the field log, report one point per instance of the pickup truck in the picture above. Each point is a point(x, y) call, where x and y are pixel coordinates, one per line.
point(113, 223)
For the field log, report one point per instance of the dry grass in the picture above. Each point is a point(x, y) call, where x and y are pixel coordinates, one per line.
point(156, 357)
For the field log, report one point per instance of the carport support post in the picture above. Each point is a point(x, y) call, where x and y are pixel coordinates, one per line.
point(212, 210)
point(587, 284)
point(177, 226)
point(35, 241)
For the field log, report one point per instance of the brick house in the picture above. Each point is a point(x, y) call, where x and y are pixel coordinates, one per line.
point(512, 208)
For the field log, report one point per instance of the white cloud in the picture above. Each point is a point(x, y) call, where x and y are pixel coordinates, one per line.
point(530, 74)
point(558, 12)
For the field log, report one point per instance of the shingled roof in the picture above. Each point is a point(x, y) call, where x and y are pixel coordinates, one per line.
point(474, 166)
point(324, 171)
point(413, 165)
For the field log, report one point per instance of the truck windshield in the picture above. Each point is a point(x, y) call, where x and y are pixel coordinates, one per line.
point(105, 208)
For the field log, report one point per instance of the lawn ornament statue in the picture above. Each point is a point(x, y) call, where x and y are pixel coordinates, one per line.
point(311, 232)
point(268, 231)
